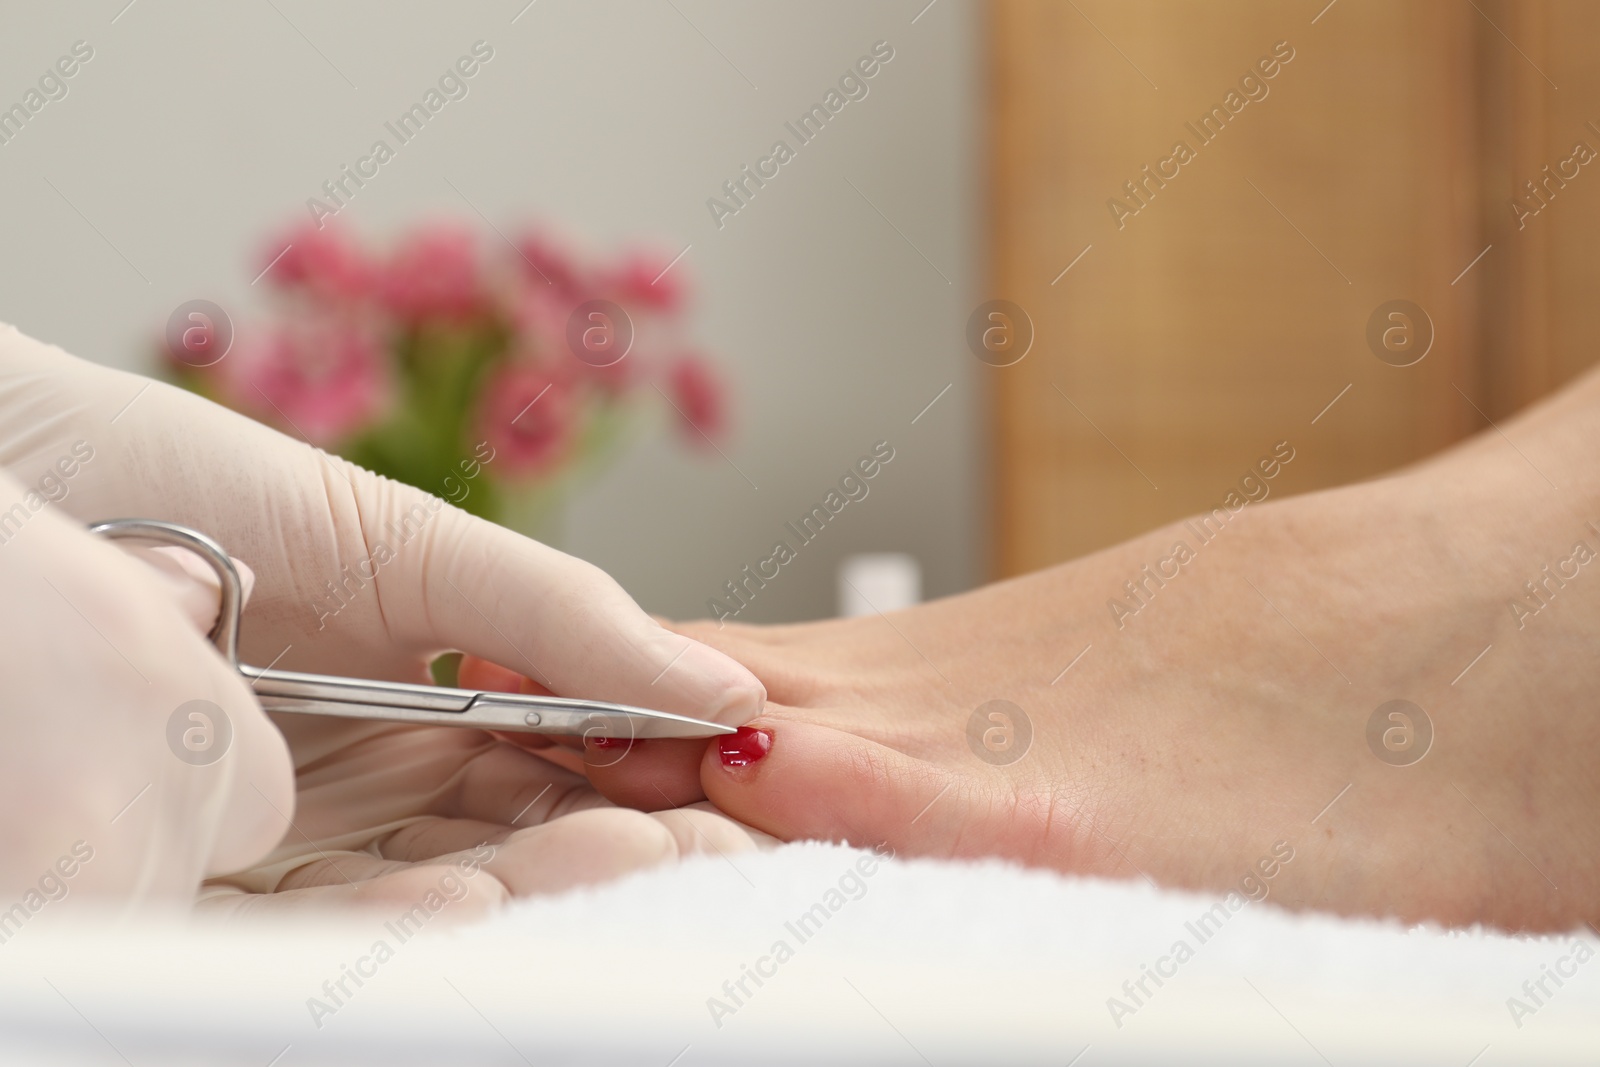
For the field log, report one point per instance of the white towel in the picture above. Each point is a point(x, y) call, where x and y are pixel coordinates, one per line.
point(860, 961)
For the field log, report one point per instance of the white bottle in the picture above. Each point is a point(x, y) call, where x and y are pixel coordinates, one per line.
point(871, 582)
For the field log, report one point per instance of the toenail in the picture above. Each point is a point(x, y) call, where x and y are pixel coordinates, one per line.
point(744, 747)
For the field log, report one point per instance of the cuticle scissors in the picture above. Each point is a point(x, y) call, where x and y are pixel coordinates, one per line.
point(401, 702)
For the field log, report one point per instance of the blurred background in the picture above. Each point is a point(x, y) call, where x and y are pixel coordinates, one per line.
point(1386, 161)
point(195, 135)
point(1169, 319)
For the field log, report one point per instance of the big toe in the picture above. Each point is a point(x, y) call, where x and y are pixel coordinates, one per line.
point(797, 780)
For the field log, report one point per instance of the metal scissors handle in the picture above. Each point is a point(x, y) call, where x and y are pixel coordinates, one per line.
point(357, 698)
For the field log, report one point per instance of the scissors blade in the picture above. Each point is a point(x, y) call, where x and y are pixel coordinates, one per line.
point(402, 702)
point(357, 698)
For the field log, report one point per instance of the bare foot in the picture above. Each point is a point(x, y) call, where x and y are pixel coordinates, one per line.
point(1230, 721)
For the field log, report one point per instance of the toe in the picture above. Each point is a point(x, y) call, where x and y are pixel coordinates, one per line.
point(798, 780)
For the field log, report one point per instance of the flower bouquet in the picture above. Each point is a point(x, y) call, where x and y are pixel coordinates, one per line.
point(494, 381)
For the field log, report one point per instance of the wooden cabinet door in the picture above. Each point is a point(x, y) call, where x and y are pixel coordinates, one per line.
point(1203, 207)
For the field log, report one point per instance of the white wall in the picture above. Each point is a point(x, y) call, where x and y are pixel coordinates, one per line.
point(197, 128)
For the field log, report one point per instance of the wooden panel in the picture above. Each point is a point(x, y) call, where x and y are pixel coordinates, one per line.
point(1540, 313)
point(1226, 311)
point(1516, 119)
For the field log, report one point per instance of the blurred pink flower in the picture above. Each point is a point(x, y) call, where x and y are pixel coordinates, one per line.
point(541, 319)
point(363, 342)
point(698, 395)
point(434, 271)
point(549, 264)
point(528, 418)
point(323, 383)
point(323, 261)
point(643, 280)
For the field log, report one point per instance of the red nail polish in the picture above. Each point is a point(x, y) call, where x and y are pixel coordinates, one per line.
point(745, 747)
point(623, 743)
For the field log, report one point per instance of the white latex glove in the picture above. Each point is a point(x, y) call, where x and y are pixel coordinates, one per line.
point(98, 653)
point(415, 577)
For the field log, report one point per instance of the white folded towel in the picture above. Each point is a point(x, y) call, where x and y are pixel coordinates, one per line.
point(859, 960)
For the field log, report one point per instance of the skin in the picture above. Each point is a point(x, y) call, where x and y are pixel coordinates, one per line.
point(1230, 713)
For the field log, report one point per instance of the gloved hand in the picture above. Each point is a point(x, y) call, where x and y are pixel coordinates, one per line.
point(359, 575)
point(101, 655)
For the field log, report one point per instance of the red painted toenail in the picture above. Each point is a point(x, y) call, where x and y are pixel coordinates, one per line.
point(745, 747)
